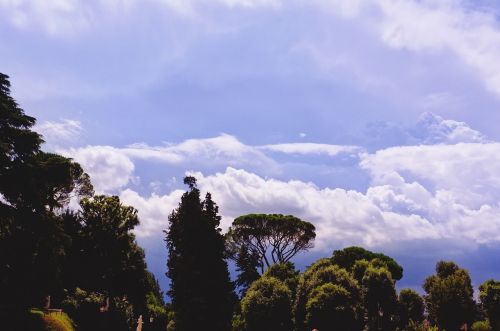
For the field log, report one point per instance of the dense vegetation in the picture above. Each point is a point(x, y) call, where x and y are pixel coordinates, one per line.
point(86, 261)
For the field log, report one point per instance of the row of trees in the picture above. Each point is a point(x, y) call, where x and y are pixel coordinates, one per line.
point(353, 290)
point(86, 261)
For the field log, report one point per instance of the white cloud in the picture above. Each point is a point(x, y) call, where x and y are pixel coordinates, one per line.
point(418, 193)
point(112, 168)
point(224, 150)
point(108, 167)
point(469, 173)
point(426, 192)
point(153, 210)
point(55, 132)
point(388, 213)
point(340, 216)
point(311, 148)
point(433, 129)
point(430, 129)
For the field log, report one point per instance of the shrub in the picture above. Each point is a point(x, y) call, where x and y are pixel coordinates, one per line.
point(481, 326)
point(57, 322)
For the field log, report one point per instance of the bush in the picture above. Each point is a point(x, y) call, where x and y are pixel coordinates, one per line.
point(57, 322)
point(38, 320)
point(481, 326)
point(83, 308)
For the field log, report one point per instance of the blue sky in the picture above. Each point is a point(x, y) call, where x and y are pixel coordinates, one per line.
point(375, 120)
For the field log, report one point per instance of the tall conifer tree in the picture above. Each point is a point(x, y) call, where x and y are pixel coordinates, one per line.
point(201, 291)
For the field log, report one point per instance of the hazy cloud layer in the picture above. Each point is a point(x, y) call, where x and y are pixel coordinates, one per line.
point(60, 132)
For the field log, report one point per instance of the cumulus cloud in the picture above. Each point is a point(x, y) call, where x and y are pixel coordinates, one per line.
point(447, 191)
point(433, 129)
point(341, 216)
point(153, 210)
point(468, 173)
point(107, 166)
point(395, 211)
point(417, 193)
point(430, 129)
point(55, 132)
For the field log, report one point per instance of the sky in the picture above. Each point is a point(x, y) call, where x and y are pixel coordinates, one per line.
point(376, 120)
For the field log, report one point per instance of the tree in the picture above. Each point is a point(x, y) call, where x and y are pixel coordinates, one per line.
point(318, 274)
point(109, 245)
point(331, 307)
point(489, 294)
point(33, 184)
point(18, 143)
point(247, 263)
point(379, 297)
point(275, 238)
point(286, 273)
point(449, 299)
point(411, 307)
point(202, 294)
point(267, 306)
point(347, 257)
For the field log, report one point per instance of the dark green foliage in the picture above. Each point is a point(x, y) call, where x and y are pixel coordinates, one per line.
point(380, 299)
point(411, 308)
point(449, 299)
point(44, 249)
point(489, 294)
point(481, 326)
point(103, 240)
point(84, 308)
point(267, 306)
point(286, 273)
point(95, 311)
point(247, 264)
point(359, 269)
point(33, 185)
point(202, 294)
point(18, 143)
point(156, 311)
point(347, 257)
point(318, 274)
point(47, 181)
point(331, 307)
point(275, 238)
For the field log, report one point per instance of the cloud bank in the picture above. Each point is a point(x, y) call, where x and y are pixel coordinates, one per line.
point(446, 188)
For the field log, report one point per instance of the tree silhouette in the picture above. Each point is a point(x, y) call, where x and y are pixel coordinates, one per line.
point(347, 257)
point(202, 294)
point(275, 238)
point(411, 307)
point(449, 299)
point(489, 293)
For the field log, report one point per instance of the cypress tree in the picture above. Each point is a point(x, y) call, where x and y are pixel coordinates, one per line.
point(201, 291)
